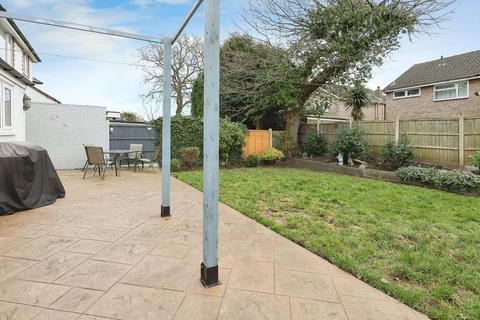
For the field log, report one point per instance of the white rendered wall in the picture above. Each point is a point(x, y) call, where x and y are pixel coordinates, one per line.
point(37, 96)
point(17, 130)
point(63, 129)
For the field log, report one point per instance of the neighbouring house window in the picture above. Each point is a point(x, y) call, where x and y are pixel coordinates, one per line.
point(5, 107)
point(451, 91)
point(406, 93)
point(326, 106)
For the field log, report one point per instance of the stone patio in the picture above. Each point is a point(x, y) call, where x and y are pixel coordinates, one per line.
point(103, 252)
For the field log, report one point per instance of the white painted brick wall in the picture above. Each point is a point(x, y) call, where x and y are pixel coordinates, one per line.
point(63, 129)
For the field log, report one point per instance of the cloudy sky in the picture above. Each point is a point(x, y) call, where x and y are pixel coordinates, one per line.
point(117, 84)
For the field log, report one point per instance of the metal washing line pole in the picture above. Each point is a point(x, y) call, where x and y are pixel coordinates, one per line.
point(209, 266)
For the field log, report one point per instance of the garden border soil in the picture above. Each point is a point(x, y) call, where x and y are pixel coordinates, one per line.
point(388, 176)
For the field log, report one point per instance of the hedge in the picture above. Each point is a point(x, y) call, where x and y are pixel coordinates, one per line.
point(187, 132)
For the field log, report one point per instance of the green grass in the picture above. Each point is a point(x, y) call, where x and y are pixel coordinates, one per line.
point(420, 246)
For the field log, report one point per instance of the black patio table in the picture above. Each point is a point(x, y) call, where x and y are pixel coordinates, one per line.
point(118, 156)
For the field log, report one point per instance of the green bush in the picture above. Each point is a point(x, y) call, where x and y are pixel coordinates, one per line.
point(440, 179)
point(396, 156)
point(189, 155)
point(475, 158)
point(232, 140)
point(278, 139)
point(288, 148)
point(349, 141)
point(314, 144)
point(188, 132)
point(252, 161)
point(271, 155)
point(175, 165)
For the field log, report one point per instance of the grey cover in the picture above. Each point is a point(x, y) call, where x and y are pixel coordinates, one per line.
point(28, 178)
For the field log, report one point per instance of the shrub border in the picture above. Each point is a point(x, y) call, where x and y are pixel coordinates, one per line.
point(367, 173)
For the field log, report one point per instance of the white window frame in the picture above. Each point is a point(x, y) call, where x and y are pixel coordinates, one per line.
point(9, 47)
point(3, 128)
point(406, 96)
point(456, 83)
point(25, 64)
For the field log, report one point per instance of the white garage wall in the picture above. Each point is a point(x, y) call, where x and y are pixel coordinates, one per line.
point(63, 129)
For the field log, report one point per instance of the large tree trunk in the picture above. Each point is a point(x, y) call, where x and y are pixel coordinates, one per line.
point(179, 99)
point(293, 124)
point(258, 124)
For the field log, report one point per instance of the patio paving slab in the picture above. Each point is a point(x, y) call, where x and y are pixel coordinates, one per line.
point(125, 251)
point(305, 309)
point(17, 311)
point(56, 315)
point(96, 275)
point(88, 246)
point(31, 293)
point(40, 249)
point(77, 300)
point(104, 253)
point(53, 267)
point(129, 302)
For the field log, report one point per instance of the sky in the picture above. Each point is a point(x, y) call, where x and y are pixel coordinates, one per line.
point(118, 83)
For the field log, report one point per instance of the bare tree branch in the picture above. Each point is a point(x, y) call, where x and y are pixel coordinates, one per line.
point(187, 62)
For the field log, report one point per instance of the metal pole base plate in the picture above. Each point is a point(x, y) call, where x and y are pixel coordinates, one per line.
point(165, 213)
point(209, 276)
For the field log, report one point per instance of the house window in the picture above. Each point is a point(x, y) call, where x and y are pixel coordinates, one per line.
point(7, 104)
point(406, 93)
point(6, 109)
point(451, 91)
point(25, 64)
point(9, 53)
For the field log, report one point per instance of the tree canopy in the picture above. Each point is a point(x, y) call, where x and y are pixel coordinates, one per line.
point(131, 116)
point(249, 88)
point(335, 41)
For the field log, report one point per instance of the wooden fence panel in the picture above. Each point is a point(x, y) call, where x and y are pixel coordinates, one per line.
point(328, 130)
point(257, 141)
point(434, 140)
point(472, 137)
point(377, 133)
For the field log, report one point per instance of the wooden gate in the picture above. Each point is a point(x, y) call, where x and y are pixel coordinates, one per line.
point(257, 141)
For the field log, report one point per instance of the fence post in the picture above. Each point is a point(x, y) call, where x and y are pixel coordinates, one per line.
point(350, 123)
point(397, 129)
point(461, 140)
point(318, 124)
point(270, 131)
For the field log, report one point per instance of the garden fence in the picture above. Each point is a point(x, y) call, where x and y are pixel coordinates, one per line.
point(122, 134)
point(257, 141)
point(438, 141)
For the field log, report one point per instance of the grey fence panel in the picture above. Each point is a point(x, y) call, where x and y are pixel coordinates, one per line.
point(124, 134)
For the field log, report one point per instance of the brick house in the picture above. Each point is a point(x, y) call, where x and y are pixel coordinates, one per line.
point(442, 88)
point(336, 110)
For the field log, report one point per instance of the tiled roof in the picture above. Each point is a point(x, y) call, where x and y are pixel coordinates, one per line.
point(462, 66)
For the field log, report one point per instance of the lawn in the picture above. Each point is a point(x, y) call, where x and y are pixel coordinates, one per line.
point(421, 246)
